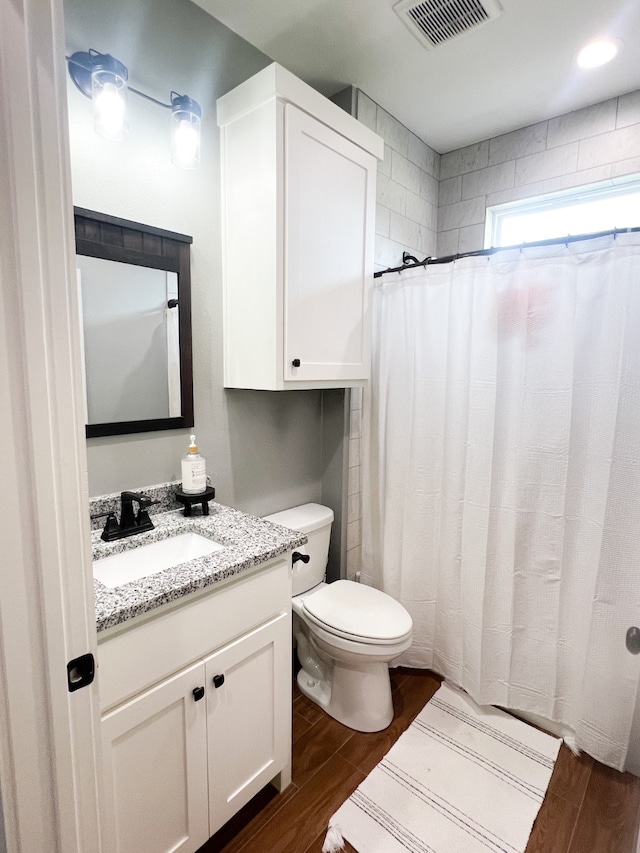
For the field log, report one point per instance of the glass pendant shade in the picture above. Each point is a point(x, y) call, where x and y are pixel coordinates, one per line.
point(185, 132)
point(104, 79)
point(109, 95)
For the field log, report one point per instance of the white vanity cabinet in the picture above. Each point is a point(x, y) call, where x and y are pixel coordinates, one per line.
point(189, 749)
point(246, 739)
point(298, 207)
point(155, 769)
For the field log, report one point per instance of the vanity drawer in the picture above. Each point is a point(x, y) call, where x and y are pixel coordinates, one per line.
point(136, 658)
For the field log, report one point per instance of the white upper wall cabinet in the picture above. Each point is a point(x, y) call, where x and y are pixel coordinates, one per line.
point(298, 209)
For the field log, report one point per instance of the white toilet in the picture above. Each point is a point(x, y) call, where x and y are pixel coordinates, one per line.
point(346, 632)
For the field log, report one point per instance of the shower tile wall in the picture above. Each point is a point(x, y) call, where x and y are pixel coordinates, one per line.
point(407, 188)
point(597, 143)
point(406, 220)
point(430, 204)
point(354, 489)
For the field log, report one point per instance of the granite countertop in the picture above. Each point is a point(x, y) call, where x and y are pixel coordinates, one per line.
point(248, 540)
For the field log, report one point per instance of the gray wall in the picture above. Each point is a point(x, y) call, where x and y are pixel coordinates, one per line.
point(595, 144)
point(263, 449)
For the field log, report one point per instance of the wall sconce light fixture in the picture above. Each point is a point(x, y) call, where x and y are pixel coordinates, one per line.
point(105, 80)
point(185, 131)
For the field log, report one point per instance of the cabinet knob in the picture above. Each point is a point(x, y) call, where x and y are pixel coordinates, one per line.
point(198, 693)
point(633, 640)
point(296, 362)
point(218, 680)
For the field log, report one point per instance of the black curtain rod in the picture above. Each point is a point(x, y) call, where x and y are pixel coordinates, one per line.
point(409, 261)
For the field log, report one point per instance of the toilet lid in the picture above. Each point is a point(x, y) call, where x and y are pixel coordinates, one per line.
point(357, 610)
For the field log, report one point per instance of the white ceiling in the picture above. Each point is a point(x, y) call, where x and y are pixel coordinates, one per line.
point(512, 71)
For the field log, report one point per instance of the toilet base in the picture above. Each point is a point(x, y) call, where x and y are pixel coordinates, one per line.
point(318, 691)
point(359, 695)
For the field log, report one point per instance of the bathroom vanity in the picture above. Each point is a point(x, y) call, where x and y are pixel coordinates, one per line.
point(194, 666)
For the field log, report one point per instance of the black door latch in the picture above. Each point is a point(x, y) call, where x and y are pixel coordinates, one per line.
point(80, 672)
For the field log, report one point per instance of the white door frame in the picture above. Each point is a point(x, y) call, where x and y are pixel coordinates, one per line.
point(49, 745)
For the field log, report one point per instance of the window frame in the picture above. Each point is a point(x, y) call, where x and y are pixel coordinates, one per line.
point(499, 213)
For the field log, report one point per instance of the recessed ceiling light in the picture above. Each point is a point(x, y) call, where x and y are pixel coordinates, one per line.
point(598, 52)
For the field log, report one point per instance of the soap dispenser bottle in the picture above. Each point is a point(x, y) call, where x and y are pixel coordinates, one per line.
point(194, 470)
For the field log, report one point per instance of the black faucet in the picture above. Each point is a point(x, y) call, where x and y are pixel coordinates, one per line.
point(130, 521)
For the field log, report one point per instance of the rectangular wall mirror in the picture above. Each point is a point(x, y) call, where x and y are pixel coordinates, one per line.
point(135, 294)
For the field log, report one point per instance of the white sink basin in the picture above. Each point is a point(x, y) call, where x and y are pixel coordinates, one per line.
point(150, 559)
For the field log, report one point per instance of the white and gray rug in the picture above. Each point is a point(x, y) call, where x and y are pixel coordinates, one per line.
point(461, 779)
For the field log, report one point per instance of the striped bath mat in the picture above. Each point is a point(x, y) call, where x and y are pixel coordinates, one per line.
point(461, 779)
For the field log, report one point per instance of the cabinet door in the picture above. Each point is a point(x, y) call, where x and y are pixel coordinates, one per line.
point(329, 217)
point(249, 711)
point(155, 769)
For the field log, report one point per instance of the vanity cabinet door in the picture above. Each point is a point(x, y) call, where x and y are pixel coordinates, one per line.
point(155, 768)
point(249, 717)
point(329, 213)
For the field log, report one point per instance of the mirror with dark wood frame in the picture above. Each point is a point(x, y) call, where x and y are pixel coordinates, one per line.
point(135, 291)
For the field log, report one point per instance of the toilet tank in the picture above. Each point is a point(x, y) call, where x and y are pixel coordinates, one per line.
point(315, 520)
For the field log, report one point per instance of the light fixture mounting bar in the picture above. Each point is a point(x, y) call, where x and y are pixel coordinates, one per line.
point(80, 67)
point(89, 69)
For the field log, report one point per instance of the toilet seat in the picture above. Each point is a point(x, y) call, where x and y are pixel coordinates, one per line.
point(358, 613)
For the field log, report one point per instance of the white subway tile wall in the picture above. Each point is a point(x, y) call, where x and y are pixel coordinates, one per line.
point(590, 121)
point(406, 220)
point(518, 143)
point(429, 203)
point(407, 188)
point(591, 145)
point(468, 159)
point(354, 487)
point(628, 109)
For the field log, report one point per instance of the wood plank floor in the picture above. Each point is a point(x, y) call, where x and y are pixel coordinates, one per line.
point(588, 807)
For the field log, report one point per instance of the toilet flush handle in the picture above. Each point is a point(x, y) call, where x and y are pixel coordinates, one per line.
point(298, 556)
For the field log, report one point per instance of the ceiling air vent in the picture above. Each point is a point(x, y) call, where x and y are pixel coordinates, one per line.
point(434, 22)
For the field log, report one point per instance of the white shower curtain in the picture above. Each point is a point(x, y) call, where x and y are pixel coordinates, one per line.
point(502, 478)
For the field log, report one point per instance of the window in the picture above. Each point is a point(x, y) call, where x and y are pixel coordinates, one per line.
point(585, 210)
